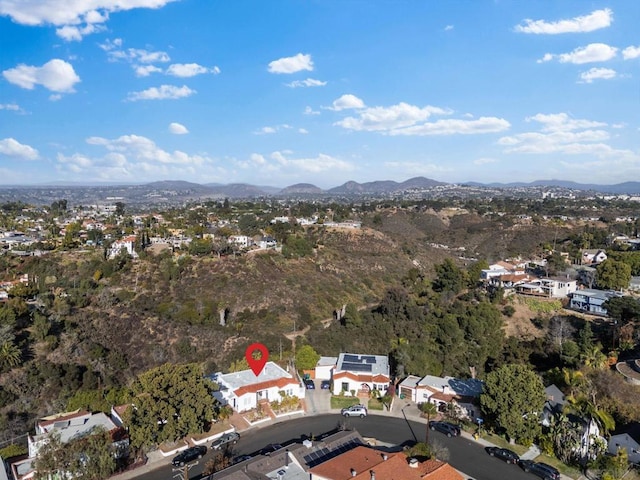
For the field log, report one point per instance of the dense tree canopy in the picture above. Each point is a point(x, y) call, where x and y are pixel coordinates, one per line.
point(613, 275)
point(512, 401)
point(170, 402)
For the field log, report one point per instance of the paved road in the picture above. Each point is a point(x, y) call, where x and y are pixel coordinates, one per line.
point(463, 454)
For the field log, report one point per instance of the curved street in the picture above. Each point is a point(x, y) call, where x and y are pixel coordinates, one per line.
point(463, 453)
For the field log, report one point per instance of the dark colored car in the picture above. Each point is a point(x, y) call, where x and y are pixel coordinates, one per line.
point(325, 385)
point(226, 439)
point(309, 384)
point(272, 447)
point(189, 455)
point(241, 458)
point(503, 454)
point(449, 429)
point(542, 470)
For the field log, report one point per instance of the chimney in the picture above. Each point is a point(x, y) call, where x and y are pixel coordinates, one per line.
point(373, 475)
point(353, 472)
point(413, 462)
point(385, 457)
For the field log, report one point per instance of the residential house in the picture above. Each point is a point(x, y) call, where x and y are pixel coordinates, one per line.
point(360, 374)
point(444, 392)
point(69, 426)
point(366, 463)
point(127, 244)
point(629, 439)
point(244, 390)
point(634, 284)
point(242, 241)
point(552, 287)
point(591, 301)
point(501, 268)
point(593, 256)
point(325, 367)
point(553, 405)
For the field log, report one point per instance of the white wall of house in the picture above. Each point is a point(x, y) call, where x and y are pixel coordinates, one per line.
point(339, 385)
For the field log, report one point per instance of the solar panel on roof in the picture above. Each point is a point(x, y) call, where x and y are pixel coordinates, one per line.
point(369, 359)
point(307, 458)
point(351, 358)
point(357, 367)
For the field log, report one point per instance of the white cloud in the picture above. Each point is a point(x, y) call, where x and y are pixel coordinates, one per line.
point(455, 127)
point(310, 111)
point(189, 70)
point(309, 82)
point(387, 119)
point(321, 163)
point(345, 102)
point(12, 148)
point(10, 106)
point(559, 133)
point(145, 70)
point(594, 52)
point(597, 74)
point(412, 169)
point(161, 93)
point(293, 64)
point(258, 159)
point(303, 131)
point(448, 28)
point(138, 148)
point(79, 15)
point(268, 130)
point(586, 23)
point(55, 75)
point(484, 161)
point(631, 52)
point(54, 97)
point(178, 128)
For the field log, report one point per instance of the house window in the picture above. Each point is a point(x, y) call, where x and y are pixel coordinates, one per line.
point(345, 386)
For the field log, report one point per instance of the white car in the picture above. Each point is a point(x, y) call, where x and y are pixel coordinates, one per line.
point(354, 411)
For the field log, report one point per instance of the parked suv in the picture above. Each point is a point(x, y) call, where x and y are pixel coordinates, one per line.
point(224, 440)
point(503, 454)
point(354, 411)
point(542, 470)
point(449, 429)
point(189, 455)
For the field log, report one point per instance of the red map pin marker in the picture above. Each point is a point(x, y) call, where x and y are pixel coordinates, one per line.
point(255, 360)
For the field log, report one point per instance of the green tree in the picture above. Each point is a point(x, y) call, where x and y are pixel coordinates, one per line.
point(428, 410)
point(170, 402)
point(91, 458)
point(306, 358)
point(613, 275)
point(512, 401)
point(450, 278)
point(10, 355)
point(474, 271)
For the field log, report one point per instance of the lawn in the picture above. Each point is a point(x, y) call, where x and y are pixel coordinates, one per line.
point(375, 404)
point(503, 443)
point(343, 402)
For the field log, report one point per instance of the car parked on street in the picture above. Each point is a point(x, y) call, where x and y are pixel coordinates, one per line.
point(503, 454)
point(542, 470)
point(225, 440)
point(272, 447)
point(449, 429)
point(354, 411)
point(189, 455)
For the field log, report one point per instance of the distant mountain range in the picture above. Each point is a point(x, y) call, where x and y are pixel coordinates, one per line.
point(178, 191)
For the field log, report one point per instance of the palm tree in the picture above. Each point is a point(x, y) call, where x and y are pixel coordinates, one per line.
point(587, 408)
point(10, 355)
point(594, 358)
point(573, 379)
point(428, 409)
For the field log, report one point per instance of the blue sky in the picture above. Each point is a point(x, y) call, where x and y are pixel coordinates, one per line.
point(318, 91)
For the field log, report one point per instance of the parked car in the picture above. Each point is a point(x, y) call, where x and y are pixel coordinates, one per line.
point(189, 455)
point(503, 454)
point(241, 458)
point(272, 447)
point(226, 439)
point(308, 383)
point(354, 411)
point(542, 470)
point(325, 384)
point(449, 429)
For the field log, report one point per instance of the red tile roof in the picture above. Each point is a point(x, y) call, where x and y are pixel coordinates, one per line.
point(365, 460)
point(256, 387)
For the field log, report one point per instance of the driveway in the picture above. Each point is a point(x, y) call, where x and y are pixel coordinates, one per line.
point(318, 401)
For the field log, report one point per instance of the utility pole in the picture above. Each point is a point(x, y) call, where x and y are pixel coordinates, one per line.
point(182, 473)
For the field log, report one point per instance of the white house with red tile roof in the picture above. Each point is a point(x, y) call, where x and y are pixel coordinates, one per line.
point(243, 390)
point(361, 373)
point(127, 243)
